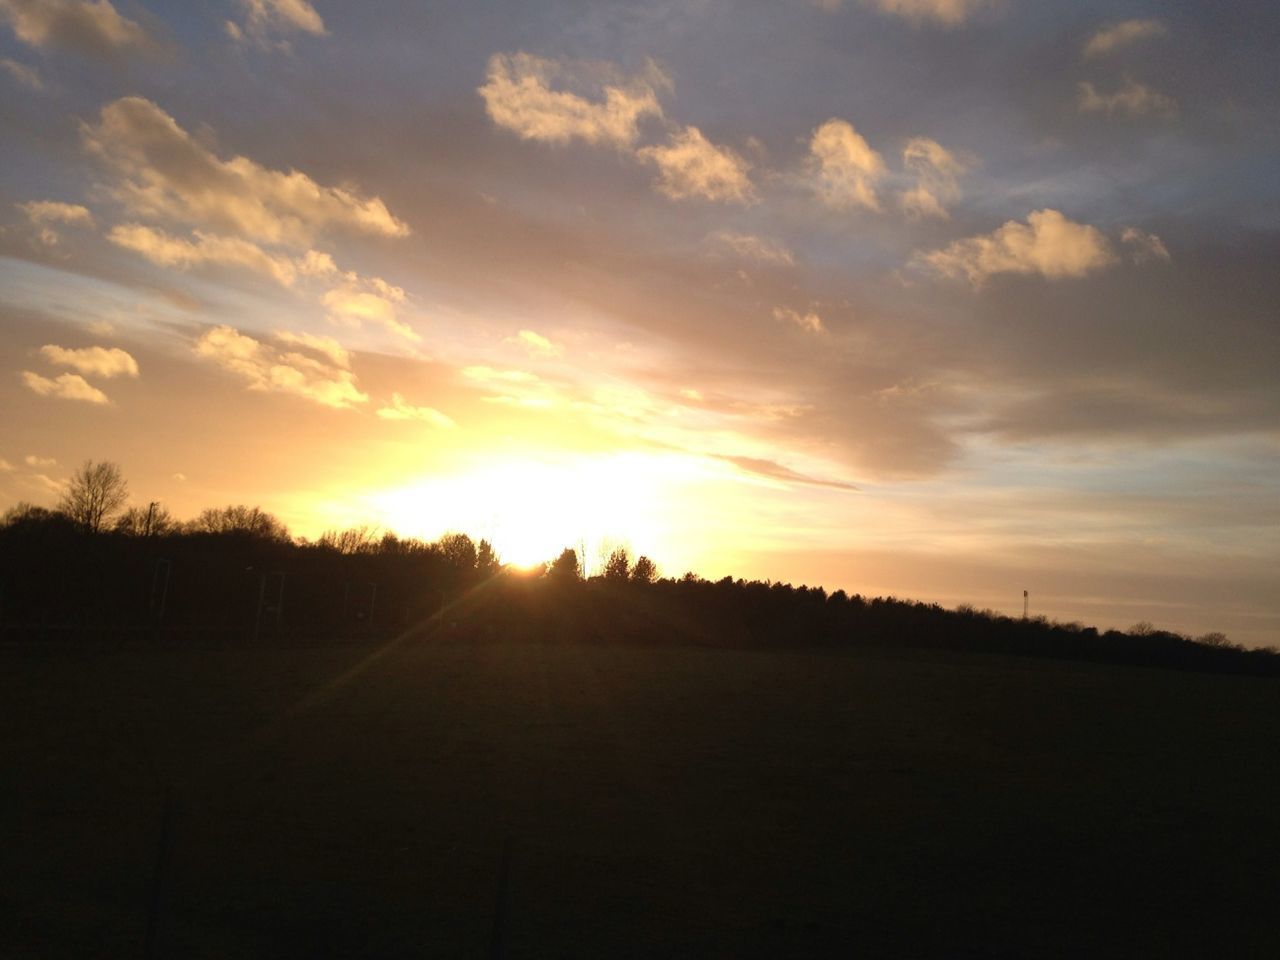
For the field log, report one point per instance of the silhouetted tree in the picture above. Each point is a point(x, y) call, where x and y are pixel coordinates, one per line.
point(459, 551)
point(645, 571)
point(150, 521)
point(566, 568)
point(618, 567)
point(361, 539)
point(486, 559)
point(247, 521)
point(96, 491)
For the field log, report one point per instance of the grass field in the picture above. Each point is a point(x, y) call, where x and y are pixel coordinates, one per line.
point(541, 800)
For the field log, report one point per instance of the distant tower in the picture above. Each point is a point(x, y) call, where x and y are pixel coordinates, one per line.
point(1026, 603)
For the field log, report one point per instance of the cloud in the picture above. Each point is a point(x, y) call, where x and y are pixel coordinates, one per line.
point(23, 74)
point(261, 18)
point(162, 171)
point(536, 344)
point(95, 361)
point(754, 248)
point(5, 466)
point(67, 386)
point(358, 300)
point(1115, 36)
point(690, 165)
point(776, 471)
point(844, 168)
point(269, 370)
point(1048, 244)
point(492, 375)
point(43, 214)
point(39, 463)
point(518, 96)
point(93, 27)
point(401, 410)
point(54, 211)
point(170, 251)
point(1143, 246)
point(1133, 98)
point(808, 321)
point(937, 172)
point(327, 347)
point(947, 12)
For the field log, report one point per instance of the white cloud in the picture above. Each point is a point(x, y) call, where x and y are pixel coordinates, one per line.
point(5, 466)
point(207, 248)
point(39, 463)
point(518, 96)
point(162, 171)
point(937, 171)
point(402, 410)
point(89, 26)
point(753, 247)
point(808, 321)
point(67, 386)
point(180, 477)
point(1117, 35)
point(269, 370)
point(690, 165)
point(1143, 246)
point(1048, 244)
point(261, 18)
point(536, 344)
point(947, 12)
point(844, 168)
point(1133, 98)
point(23, 74)
point(106, 362)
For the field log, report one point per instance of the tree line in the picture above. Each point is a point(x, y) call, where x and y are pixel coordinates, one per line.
point(94, 568)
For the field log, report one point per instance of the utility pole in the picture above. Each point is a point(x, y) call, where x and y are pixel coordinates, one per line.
point(1026, 604)
point(151, 512)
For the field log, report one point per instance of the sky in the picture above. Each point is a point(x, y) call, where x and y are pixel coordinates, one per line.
point(941, 299)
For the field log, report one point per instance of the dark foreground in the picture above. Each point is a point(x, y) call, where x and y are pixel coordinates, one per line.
point(537, 800)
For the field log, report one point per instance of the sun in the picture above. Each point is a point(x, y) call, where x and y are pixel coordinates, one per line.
point(532, 508)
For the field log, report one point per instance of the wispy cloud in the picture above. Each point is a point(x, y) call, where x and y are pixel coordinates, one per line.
point(1048, 244)
point(1132, 98)
point(1115, 36)
point(753, 247)
point(1143, 246)
point(400, 409)
point(519, 96)
point(23, 74)
point(691, 166)
point(262, 19)
point(809, 321)
point(947, 12)
point(536, 344)
point(844, 168)
point(937, 172)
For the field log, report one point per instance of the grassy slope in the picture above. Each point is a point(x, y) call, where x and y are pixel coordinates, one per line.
point(660, 802)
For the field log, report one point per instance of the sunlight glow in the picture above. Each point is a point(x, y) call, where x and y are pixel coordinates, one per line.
point(532, 508)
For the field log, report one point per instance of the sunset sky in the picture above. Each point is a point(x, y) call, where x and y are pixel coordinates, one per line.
point(946, 299)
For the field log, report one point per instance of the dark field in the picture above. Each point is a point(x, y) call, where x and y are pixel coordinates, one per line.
point(536, 800)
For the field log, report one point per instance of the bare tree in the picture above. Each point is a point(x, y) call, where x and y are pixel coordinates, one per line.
point(154, 520)
point(96, 491)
